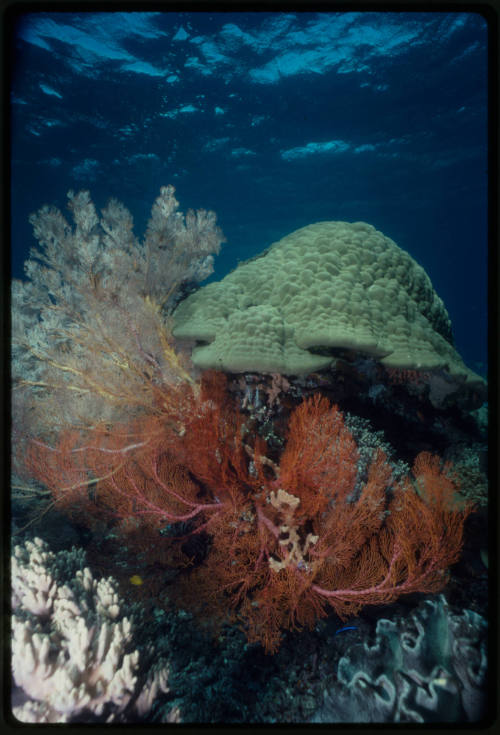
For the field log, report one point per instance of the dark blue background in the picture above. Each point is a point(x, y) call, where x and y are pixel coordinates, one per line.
point(273, 120)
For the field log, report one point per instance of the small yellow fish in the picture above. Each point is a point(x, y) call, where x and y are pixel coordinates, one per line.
point(135, 579)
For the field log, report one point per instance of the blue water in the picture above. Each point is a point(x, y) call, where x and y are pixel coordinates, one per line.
point(274, 121)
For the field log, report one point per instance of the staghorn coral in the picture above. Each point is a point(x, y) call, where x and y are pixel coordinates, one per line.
point(290, 536)
point(72, 647)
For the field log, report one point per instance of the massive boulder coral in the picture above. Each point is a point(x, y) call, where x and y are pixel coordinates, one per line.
point(326, 287)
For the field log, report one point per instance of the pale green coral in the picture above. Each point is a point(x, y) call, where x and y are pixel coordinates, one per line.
point(327, 286)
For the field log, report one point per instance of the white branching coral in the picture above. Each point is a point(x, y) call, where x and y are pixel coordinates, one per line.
point(33, 587)
point(294, 550)
point(91, 335)
point(157, 682)
point(72, 647)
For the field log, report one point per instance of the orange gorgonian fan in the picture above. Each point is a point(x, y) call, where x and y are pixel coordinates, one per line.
point(288, 539)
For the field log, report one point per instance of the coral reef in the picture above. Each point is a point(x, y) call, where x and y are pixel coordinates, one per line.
point(255, 504)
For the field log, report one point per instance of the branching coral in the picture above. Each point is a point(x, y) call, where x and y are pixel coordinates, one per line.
point(91, 336)
point(72, 647)
point(288, 538)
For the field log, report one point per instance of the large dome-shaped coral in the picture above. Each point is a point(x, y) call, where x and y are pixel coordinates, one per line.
point(324, 287)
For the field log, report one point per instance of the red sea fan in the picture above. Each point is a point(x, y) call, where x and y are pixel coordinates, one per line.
point(287, 540)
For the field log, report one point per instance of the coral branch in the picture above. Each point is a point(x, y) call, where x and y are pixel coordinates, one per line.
point(282, 540)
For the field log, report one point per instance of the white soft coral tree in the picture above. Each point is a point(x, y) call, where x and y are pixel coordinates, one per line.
point(91, 333)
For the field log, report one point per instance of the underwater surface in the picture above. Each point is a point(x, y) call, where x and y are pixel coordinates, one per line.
point(272, 120)
point(249, 482)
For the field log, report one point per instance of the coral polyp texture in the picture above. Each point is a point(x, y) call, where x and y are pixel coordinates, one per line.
point(326, 286)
